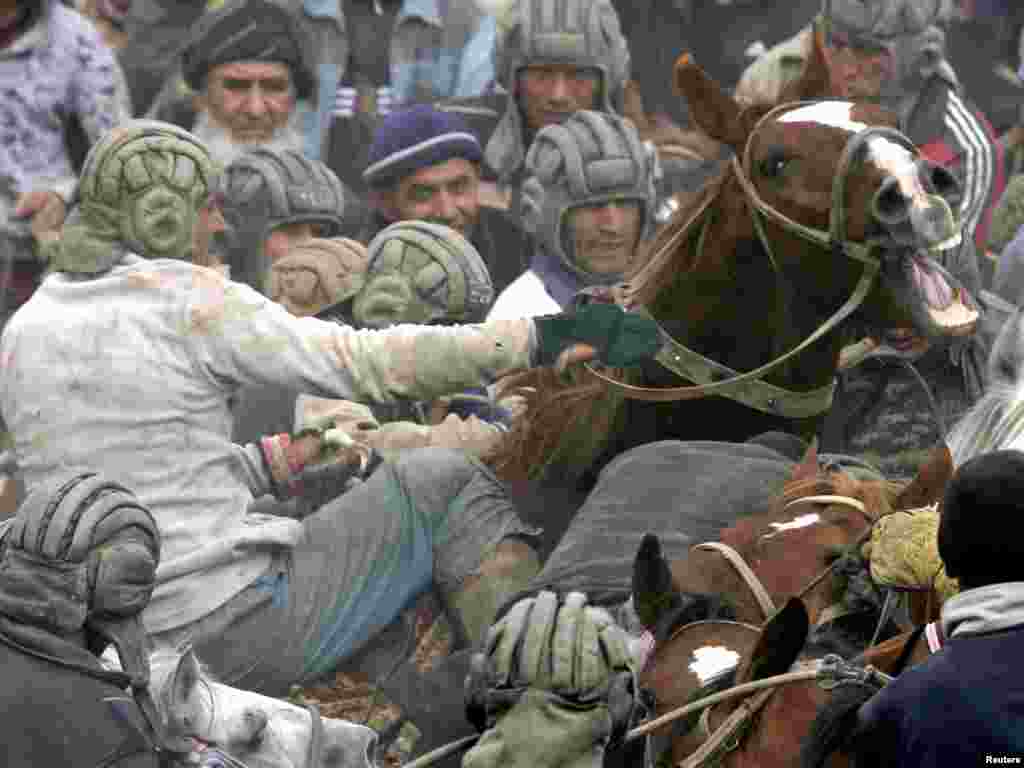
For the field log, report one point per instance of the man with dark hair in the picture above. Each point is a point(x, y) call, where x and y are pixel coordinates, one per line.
point(425, 164)
point(965, 704)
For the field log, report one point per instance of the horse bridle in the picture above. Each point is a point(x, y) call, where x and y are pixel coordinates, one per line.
point(713, 378)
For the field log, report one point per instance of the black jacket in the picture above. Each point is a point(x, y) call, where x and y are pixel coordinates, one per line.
point(56, 714)
point(963, 705)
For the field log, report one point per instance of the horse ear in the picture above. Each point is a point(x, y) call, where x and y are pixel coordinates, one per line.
point(931, 480)
point(782, 638)
point(716, 112)
point(652, 582)
point(186, 677)
point(815, 81)
point(807, 469)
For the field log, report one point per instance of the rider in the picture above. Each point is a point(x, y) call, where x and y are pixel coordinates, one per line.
point(554, 58)
point(271, 201)
point(962, 706)
point(77, 565)
point(141, 388)
point(589, 204)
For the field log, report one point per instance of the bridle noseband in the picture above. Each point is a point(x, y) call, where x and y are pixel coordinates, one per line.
point(712, 378)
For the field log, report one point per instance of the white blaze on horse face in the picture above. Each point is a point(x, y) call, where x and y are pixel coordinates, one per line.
point(711, 661)
point(802, 521)
point(895, 159)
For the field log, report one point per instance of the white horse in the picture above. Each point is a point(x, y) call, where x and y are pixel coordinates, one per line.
point(207, 723)
point(996, 421)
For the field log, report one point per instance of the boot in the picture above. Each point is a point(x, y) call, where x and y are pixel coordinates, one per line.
point(507, 570)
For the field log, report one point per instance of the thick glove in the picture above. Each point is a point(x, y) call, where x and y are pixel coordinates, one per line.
point(621, 338)
point(553, 688)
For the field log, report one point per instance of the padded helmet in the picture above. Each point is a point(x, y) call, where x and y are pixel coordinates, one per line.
point(262, 190)
point(420, 272)
point(590, 159)
point(82, 552)
point(582, 33)
point(142, 185)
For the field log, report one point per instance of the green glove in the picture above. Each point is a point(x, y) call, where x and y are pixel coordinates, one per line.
point(553, 688)
point(621, 338)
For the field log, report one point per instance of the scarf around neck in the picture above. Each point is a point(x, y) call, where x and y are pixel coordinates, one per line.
point(991, 608)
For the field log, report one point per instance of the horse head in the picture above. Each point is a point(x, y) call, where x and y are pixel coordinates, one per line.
point(833, 189)
point(259, 731)
point(808, 542)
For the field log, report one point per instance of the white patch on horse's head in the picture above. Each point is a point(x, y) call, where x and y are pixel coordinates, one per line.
point(710, 661)
point(895, 158)
point(261, 731)
point(800, 521)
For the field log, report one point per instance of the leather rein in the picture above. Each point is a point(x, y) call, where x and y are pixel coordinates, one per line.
point(712, 378)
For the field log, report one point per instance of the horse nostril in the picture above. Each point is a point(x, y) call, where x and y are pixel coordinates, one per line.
point(940, 181)
point(890, 205)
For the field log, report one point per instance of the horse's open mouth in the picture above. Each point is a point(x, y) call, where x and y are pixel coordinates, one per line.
point(939, 305)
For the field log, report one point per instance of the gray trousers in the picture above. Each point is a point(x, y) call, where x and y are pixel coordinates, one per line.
point(431, 517)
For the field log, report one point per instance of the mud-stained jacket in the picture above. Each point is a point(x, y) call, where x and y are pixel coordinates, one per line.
point(135, 382)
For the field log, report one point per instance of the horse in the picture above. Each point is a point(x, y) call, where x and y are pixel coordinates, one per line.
point(691, 660)
point(825, 203)
point(201, 717)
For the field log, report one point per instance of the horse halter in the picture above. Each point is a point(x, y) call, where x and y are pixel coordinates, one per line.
point(713, 378)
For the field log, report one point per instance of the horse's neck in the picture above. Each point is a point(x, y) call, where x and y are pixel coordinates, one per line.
point(739, 313)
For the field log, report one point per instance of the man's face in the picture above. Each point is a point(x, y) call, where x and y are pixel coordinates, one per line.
point(605, 237)
point(209, 223)
point(251, 100)
point(447, 193)
point(287, 236)
point(861, 67)
point(549, 93)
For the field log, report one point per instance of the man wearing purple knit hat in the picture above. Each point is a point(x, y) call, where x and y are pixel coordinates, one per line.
point(425, 164)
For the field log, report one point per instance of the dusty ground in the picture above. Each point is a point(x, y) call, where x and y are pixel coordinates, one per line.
point(351, 696)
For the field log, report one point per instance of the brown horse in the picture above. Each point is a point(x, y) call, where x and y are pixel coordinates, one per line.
point(693, 660)
point(818, 518)
point(739, 278)
point(803, 723)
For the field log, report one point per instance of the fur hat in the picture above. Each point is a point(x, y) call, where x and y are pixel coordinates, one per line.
point(983, 505)
point(416, 138)
point(249, 30)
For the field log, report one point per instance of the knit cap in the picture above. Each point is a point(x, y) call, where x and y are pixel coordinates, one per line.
point(416, 138)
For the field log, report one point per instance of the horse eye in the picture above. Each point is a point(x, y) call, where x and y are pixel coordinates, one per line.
point(774, 163)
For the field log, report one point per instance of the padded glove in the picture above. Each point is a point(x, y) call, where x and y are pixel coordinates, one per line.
point(553, 687)
point(621, 338)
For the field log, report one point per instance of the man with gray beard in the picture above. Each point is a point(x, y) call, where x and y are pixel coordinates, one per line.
point(248, 66)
